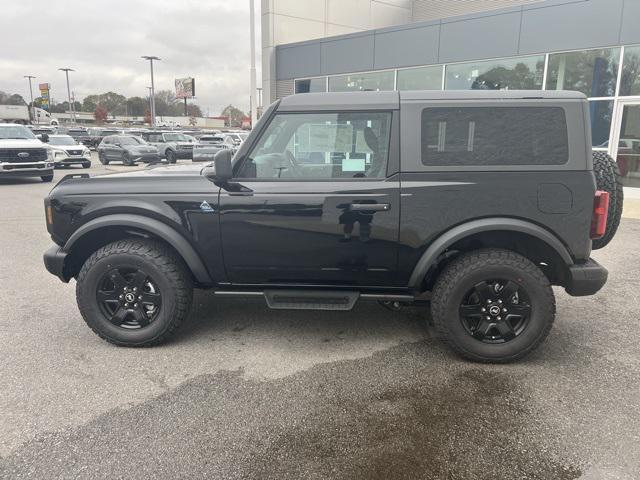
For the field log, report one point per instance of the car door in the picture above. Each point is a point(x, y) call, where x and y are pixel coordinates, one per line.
point(315, 202)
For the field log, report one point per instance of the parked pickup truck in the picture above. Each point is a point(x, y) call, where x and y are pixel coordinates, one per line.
point(474, 202)
point(23, 155)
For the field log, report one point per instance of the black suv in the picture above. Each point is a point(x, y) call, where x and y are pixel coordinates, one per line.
point(476, 202)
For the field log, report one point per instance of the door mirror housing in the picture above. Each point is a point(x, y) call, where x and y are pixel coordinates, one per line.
point(44, 137)
point(223, 166)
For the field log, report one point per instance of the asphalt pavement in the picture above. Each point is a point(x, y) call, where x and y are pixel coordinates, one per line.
point(244, 392)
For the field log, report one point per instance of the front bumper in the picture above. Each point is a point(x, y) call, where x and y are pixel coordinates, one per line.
point(586, 278)
point(54, 259)
point(31, 169)
point(71, 160)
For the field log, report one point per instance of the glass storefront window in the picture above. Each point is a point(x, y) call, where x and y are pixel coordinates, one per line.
point(628, 158)
point(592, 72)
point(423, 78)
point(524, 73)
point(630, 81)
point(307, 85)
point(601, 112)
point(374, 81)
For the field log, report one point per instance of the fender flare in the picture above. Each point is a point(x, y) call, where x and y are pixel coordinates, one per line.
point(444, 241)
point(153, 226)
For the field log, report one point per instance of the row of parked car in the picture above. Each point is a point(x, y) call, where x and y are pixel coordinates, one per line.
point(72, 146)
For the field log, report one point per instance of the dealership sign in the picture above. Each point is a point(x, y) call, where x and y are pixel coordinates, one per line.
point(185, 87)
point(44, 95)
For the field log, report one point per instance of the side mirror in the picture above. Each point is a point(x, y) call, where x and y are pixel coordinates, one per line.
point(44, 137)
point(222, 170)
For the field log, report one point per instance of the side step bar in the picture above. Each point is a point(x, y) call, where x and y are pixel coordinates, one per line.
point(343, 300)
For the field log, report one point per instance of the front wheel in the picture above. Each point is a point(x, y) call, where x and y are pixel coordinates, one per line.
point(126, 160)
point(134, 293)
point(492, 306)
point(103, 158)
point(86, 165)
point(171, 156)
point(47, 178)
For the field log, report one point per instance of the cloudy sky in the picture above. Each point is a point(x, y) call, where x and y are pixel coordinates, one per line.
point(104, 39)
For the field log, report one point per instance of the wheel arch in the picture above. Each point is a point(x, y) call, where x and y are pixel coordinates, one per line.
point(103, 230)
point(524, 237)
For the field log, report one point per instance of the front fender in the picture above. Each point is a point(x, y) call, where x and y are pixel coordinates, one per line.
point(444, 241)
point(154, 227)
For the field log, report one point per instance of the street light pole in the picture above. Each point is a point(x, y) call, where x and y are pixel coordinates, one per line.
point(150, 107)
point(253, 103)
point(153, 90)
point(73, 113)
point(33, 110)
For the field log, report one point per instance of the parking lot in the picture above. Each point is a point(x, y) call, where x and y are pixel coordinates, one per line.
point(247, 392)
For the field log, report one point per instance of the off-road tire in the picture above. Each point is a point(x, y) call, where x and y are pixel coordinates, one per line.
point(171, 156)
point(47, 178)
point(86, 165)
point(480, 265)
point(168, 271)
point(103, 159)
point(608, 178)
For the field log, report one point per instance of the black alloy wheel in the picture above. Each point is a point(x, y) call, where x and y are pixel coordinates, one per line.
point(128, 297)
point(495, 311)
point(171, 156)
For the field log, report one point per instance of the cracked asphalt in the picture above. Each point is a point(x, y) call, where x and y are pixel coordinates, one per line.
point(250, 393)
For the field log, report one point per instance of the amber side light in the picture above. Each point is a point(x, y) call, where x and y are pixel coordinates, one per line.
point(49, 215)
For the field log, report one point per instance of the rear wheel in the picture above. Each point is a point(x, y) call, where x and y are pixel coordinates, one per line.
point(492, 306)
point(171, 156)
point(608, 178)
point(47, 178)
point(134, 293)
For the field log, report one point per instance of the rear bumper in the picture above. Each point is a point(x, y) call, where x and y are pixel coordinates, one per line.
point(54, 259)
point(586, 278)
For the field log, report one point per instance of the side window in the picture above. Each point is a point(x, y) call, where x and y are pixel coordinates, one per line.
point(494, 136)
point(106, 141)
point(316, 146)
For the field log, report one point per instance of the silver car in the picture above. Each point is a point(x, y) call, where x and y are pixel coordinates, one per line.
point(208, 147)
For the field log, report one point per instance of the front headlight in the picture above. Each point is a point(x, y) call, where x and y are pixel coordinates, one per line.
point(49, 154)
point(86, 151)
point(58, 153)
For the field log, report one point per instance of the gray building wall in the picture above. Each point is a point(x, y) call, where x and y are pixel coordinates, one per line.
point(537, 27)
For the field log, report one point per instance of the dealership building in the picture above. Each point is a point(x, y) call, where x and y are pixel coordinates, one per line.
point(592, 46)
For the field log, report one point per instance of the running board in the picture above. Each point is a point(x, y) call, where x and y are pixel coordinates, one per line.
point(310, 299)
point(343, 300)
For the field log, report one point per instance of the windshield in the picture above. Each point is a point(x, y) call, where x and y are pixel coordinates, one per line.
point(175, 137)
point(109, 132)
point(131, 141)
point(66, 140)
point(16, 132)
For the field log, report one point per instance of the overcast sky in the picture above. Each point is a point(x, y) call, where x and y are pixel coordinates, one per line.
point(104, 39)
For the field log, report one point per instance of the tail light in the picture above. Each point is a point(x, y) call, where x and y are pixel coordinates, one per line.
point(600, 210)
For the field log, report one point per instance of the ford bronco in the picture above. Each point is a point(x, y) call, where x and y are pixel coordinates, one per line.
point(475, 202)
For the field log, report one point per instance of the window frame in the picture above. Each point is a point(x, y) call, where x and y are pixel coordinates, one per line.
point(392, 166)
point(411, 147)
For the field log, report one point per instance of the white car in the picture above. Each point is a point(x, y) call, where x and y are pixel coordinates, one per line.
point(23, 155)
point(66, 151)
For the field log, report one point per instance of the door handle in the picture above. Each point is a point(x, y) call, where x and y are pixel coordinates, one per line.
point(369, 207)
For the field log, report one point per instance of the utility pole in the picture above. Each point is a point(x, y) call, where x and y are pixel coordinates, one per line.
point(73, 113)
point(33, 110)
point(151, 58)
point(253, 104)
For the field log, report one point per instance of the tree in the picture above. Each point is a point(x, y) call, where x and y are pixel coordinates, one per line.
point(194, 110)
point(113, 102)
point(235, 115)
point(11, 99)
point(137, 106)
point(100, 114)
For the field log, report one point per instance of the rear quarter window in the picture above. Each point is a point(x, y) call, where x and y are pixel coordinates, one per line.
point(461, 136)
